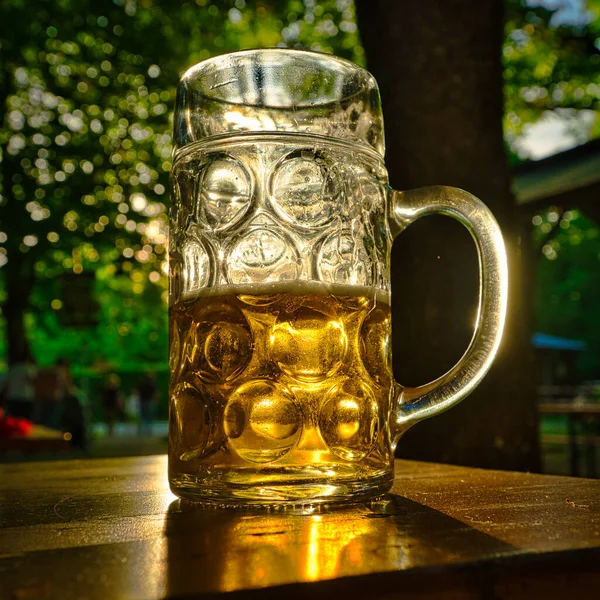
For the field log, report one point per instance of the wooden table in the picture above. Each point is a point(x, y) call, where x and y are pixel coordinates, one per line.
point(578, 416)
point(111, 529)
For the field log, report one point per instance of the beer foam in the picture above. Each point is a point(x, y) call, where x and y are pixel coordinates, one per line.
point(296, 288)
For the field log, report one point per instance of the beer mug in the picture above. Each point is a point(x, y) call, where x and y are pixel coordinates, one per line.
point(282, 221)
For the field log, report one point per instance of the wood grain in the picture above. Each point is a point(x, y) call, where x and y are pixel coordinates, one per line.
point(111, 529)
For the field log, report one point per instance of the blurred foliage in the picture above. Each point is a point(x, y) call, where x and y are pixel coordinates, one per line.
point(567, 294)
point(552, 68)
point(87, 90)
point(552, 73)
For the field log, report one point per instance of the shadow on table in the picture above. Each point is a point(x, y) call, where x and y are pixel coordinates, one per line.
point(215, 551)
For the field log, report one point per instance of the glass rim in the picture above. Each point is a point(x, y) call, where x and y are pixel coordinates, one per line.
point(301, 53)
point(279, 89)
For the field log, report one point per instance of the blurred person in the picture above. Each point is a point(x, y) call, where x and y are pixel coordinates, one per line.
point(112, 401)
point(65, 378)
point(52, 385)
point(18, 390)
point(69, 414)
point(147, 393)
point(73, 418)
point(45, 385)
point(132, 406)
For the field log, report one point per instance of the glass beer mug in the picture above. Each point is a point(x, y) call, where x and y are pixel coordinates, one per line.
point(282, 223)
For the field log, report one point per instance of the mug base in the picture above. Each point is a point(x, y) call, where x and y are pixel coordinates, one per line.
point(279, 494)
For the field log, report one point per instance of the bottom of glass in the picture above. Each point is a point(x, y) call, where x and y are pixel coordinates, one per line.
point(280, 489)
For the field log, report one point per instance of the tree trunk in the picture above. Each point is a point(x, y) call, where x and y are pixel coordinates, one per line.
point(19, 281)
point(440, 73)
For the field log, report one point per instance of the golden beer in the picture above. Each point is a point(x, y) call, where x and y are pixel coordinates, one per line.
point(280, 391)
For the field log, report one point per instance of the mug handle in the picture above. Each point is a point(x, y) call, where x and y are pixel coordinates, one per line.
point(424, 401)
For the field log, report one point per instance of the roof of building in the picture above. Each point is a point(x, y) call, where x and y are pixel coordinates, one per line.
point(543, 340)
point(561, 172)
point(569, 179)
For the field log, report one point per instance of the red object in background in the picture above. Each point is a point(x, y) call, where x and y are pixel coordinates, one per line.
point(12, 427)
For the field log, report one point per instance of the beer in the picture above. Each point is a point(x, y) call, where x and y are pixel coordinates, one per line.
point(280, 389)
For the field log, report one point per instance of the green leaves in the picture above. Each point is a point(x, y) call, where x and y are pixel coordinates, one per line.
point(551, 65)
point(567, 292)
point(88, 89)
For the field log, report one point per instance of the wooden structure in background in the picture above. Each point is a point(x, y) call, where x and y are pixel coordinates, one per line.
point(556, 360)
point(569, 179)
